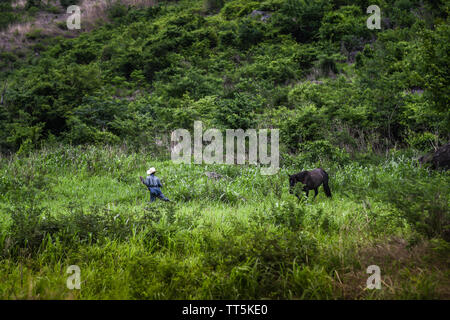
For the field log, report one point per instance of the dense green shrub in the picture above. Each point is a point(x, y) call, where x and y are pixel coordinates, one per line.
point(67, 3)
point(305, 123)
point(322, 150)
point(238, 113)
point(249, 33)
point(33, 4)
point(343, 24)
point(300, 18)
point(341, 95)
point(117, 10)
point(243, 236)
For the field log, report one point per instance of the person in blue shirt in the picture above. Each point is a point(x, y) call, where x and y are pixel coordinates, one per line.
point(153, 184)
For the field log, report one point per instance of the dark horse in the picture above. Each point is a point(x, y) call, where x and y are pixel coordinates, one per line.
point(311, 180)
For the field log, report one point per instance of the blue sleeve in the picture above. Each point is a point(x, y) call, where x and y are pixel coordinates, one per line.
point(159, 183)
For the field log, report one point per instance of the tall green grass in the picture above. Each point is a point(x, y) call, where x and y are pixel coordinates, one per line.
point(241, 237)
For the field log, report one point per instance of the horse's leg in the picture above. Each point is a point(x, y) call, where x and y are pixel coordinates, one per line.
point(307, 192)
point(316, 192)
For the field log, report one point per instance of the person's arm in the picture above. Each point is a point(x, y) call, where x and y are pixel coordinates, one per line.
point(159, 183)
point(144, 181)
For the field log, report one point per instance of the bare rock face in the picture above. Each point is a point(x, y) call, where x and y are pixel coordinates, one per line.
point(440, 159)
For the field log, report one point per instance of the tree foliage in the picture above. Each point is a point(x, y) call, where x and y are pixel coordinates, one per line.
point(310, 67)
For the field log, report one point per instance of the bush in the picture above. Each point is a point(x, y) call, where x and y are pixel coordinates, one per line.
point(327, 64)
point(213, 5)
point(422, 141)
point(317, 153)
point(249, 33)
point(238, 8)
point(35, 34)
point(117, 10)
point(68, 3)
point(227, 38)
point(29, 228)
point(423, 205)
point(237, 113)
point(8, 16)
point(287, 214)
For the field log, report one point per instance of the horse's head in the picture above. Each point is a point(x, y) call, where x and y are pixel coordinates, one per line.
point(293, 179)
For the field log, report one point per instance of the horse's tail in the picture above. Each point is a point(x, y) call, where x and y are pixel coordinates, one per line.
point(325, 185)
point(327, 189)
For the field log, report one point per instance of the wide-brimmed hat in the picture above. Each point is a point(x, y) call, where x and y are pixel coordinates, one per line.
point(151, 170)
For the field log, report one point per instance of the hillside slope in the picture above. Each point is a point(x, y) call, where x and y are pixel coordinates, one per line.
point(311, 68)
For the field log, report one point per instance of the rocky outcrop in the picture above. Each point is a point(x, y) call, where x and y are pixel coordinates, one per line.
point(440, 159)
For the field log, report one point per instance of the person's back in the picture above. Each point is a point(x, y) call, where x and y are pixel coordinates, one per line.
point(153, 181)
point(154, 184)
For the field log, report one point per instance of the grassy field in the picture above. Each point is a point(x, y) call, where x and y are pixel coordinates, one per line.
point(242, 237)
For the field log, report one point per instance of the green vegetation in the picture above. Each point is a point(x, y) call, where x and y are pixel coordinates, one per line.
point(243, 237)
point(83, 117)
point(156, 69)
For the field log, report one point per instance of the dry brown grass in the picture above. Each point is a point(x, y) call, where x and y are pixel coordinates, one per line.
point(93, 13)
